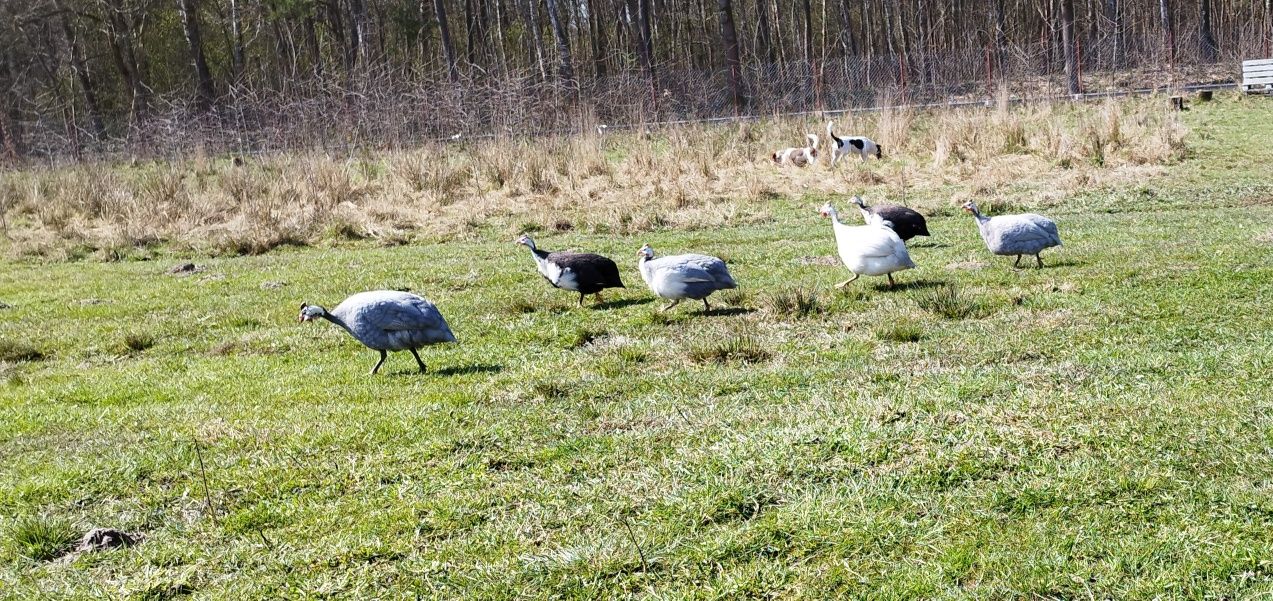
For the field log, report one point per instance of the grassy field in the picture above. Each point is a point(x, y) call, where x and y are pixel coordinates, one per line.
point(1100, 428)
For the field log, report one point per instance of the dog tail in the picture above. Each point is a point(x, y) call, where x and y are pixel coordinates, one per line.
point(813, 140)
point(830, 131)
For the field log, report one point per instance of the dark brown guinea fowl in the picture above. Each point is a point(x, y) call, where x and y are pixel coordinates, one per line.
point(584, 273)
point(905, 222)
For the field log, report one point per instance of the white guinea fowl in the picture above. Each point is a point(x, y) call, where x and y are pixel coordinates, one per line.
point(1024, 234)
point(872, 249)
point(679, 277)
point(387, 320)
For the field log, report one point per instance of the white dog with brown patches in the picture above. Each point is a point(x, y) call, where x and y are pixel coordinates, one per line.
point(800, 157)
point(860, 145)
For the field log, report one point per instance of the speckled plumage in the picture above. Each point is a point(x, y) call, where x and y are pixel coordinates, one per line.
point(387, 320)
point(585, 273)
point(679, 277)
point(1025, 234)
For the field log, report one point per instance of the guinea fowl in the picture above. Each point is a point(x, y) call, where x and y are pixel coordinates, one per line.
point(584, 273)
point(1024, 234)
point(679, 277)
point(906, 222)
point(872, 249)
point(387, 320)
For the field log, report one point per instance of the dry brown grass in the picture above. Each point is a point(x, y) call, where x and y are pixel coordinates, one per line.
point(696, 176)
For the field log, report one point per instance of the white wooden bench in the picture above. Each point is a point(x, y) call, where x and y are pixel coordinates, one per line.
point(1257, 75)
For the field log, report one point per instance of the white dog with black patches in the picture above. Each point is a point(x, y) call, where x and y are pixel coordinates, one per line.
point(860, 145)
point(800, 157)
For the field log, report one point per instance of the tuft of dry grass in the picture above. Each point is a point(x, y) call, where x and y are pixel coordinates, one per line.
point(739, 347)
point(14, 351)
point(625, 182)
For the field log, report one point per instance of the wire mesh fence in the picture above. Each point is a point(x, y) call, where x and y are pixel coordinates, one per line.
point(393, 108)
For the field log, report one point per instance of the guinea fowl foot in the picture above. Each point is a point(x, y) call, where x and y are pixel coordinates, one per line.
point(848, 281)
point(670, 305)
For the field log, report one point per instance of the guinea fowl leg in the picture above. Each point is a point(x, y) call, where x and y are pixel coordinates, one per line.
point(598, 297)
point(890, 280)
point(580, 300)
point(1017, 263)
point(383, 356)
point(1039, 258)
point(670, 305)
point(848, 281)
point(706, 307)
point(417, 360)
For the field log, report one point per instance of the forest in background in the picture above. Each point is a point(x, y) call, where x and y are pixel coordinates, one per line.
point(170, 77)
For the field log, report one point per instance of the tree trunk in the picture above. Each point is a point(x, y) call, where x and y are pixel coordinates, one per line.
point(360, 30)
point(189, 11)
point(764, 37)
point(1169, 31)
point(448, 48)
point(595, 34)
point(646, 42)
point(808, 34)
point(729, 38)
point(565, 68)
point(80, 66)
point(1115, 18)
point(1068, 41)
point(120, 39)
point(315, 51)
point(1001, 34)
point(532, 11)
point(236, 40)
point(1206, 41)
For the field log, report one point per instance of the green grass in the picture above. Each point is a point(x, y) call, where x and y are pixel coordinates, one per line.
point(41, 538)
point(1103, 432)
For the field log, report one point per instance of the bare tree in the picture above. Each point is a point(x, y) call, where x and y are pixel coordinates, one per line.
point(1169, 31)
point(1206, 40)
point(448, 47)
point(189, 11)
point(1068, 41)
point(729, 38)
point(565, 68)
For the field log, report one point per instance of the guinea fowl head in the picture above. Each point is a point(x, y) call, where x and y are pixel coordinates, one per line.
point(526, 241)
point(970, 207)
point(309, 312)
point(857, 200)
point(646, 252)
point(827, 210)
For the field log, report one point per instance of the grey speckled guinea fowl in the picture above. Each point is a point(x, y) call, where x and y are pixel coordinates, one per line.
point(387, 320)
point(679, 277)
point(1024, 234)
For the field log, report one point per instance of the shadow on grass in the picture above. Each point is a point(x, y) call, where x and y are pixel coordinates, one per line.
point(926, 244)
point(622, 302)
point(1029, 264)
point(727, 312)
point(909, 285)
point(463, 370)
